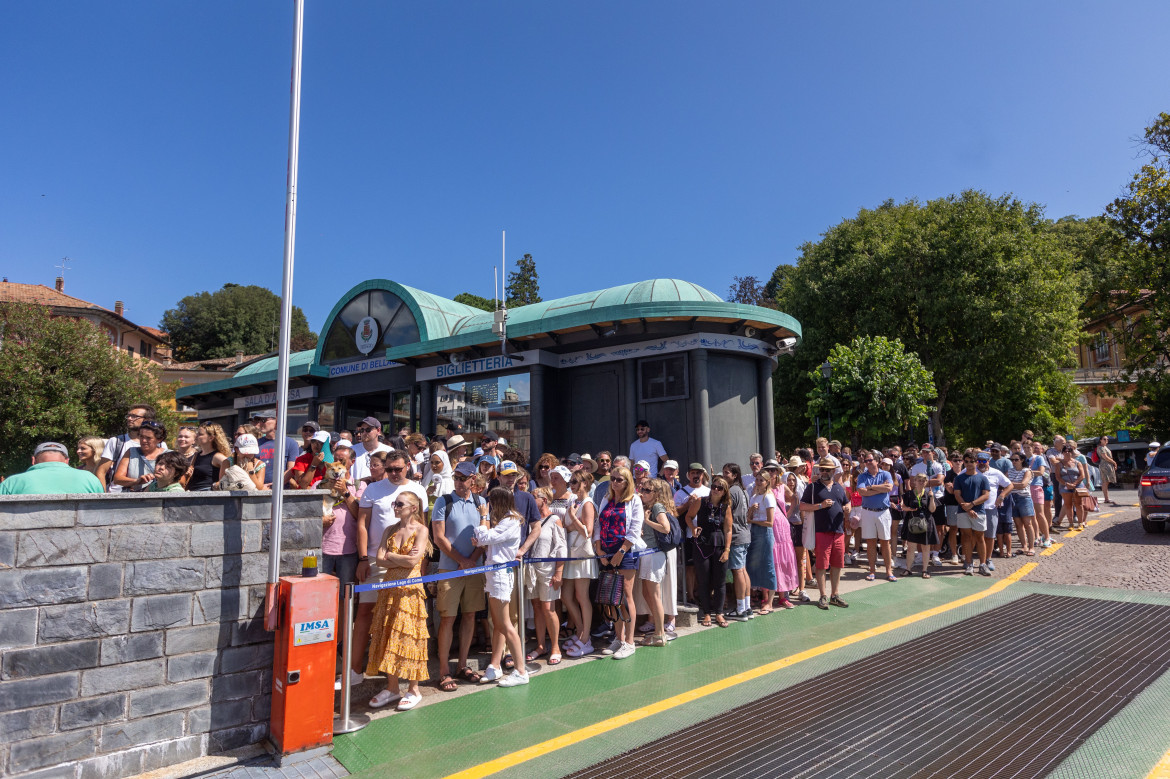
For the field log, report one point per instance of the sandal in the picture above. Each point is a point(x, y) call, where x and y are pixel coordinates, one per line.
point(720, 621)
point(409, 701)
point(468, 675)
point(925, 574)
point(762, 612)
point(869, 577)
point(535, 654)
point(706, 621)
point(554, 658)
point(447, 683)
point(508, 663)
point(384, 698)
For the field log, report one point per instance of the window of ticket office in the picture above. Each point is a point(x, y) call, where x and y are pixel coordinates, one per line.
point(326, 414)
point(394, 320)
point(501, 404)
point(662, 378)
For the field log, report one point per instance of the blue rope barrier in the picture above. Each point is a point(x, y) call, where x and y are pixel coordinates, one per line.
point(435, 577)
point(633, 555)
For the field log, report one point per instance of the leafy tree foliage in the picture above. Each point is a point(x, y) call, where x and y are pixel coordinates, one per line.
point(1140, 280)
point(523, 283)
point(749, 290)
point(234, 318)
point(63, 380)
point(475, 301)
point(982, 289)
point(1121, 417)
point(876, 390)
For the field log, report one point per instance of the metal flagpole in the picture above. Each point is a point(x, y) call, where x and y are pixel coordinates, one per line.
point(290, 234)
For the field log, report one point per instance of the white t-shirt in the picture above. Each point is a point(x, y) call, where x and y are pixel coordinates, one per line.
point(763, 502)
point(749, 483)
point(361, 464)
point(649, 451)
point(998, 481)
point(379, 499)
point(682, 496)
point(934, 469)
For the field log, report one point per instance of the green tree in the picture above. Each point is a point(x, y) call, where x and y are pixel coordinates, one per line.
point(234, 318)
point(1120, 417)
point(62, 380)
point(749, 290)
point(875, 391)
point(1140, 219)
point(475, 301)
point(980, 288)
point(523, 283)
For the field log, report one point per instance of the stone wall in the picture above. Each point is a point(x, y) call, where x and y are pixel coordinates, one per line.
point(131, 627)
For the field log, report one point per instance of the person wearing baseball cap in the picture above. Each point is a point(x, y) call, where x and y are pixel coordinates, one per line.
point(369, 432)
point(645, 448)
point(829, 504)
point(50, 474)
point(309, 468)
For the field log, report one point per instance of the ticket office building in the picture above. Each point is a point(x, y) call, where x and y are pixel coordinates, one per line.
point(574, 374)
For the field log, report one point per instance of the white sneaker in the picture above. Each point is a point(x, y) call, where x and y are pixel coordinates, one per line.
point(355, 679)
point(614, 646)
point(624, 651)
point(514, 679)
point(492, 674)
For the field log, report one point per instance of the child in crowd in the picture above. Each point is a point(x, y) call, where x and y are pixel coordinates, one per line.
point(499, 533)
point(168, 470)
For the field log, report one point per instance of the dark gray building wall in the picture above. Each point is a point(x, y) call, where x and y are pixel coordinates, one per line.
point(131, 627)
point(735, 428)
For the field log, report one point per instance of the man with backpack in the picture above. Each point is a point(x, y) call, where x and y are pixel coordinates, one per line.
point(120, 445)
point(453, 522)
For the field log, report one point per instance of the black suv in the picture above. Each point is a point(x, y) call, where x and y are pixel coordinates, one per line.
point(1154, 492)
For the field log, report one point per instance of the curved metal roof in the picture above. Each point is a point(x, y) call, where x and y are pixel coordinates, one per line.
point(446, 325)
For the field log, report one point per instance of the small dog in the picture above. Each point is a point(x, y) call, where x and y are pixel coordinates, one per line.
point(337, 491)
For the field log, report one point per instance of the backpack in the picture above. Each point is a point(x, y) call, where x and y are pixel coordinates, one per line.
point(671, 540)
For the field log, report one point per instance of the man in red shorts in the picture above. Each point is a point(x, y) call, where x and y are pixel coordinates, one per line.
point(829, 504)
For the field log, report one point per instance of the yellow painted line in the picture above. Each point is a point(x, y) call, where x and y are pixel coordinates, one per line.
point(1072, 534)
point(1104, 516)
point(568, 739)
point(1092, 522)
point(1050, 550)
point(1162, 769)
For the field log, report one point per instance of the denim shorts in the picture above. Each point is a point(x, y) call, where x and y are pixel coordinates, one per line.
point(1024, 507)
point(738, 557)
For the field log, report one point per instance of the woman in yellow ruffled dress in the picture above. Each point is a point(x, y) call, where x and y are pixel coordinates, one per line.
point(398, 643)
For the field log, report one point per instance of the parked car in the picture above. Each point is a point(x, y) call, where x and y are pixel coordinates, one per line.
point(1154, 492)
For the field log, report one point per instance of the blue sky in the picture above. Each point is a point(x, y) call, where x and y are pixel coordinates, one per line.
point(614, 141)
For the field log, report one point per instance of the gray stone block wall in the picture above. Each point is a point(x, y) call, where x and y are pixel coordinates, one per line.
point(131, 627)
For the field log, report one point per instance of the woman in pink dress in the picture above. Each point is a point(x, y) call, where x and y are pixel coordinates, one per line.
point(787, 570)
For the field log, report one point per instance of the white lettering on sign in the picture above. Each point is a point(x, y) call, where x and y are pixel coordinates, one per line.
point(361, 366)
point(498, 362)
point(315, 632)
point(269, 398)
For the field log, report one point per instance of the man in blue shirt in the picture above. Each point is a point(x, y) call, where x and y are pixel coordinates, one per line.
point(973, 490)
point(875, 486)
point(453, 522)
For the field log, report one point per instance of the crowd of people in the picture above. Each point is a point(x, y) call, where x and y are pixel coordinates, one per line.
point(738, 543)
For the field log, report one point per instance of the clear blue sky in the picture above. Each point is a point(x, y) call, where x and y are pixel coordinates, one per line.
point(614, 141)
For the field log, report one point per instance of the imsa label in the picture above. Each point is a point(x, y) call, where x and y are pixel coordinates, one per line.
point(315, 632)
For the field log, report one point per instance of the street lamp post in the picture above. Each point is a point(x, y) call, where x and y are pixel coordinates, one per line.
point(827, 372)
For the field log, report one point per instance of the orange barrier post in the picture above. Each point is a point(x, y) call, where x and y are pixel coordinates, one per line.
point(304, 663)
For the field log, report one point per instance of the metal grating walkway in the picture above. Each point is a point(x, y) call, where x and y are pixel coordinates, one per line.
point(1008, 693)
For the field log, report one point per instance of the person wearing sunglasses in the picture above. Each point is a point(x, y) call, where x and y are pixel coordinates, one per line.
point(580, 515)
point(1020, 494)
point(711, 526)
point(375, 514)
point(654, 570)
point(136, 470)
point(370, 432)
point(972, 490)
point(829, 504)
point(118, 446)
point(617, 532)
point(499, 534)
point(398, 646)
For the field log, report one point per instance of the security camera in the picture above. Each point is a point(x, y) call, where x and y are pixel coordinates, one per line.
point(750, 332)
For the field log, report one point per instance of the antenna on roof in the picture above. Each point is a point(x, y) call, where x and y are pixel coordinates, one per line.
point(63, 267)
point(500, 318)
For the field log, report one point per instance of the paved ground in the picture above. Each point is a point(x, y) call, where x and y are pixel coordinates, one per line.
point(1114, 552)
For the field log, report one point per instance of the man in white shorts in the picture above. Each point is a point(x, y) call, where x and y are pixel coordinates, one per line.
point(375, 514)
point(875, 486)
